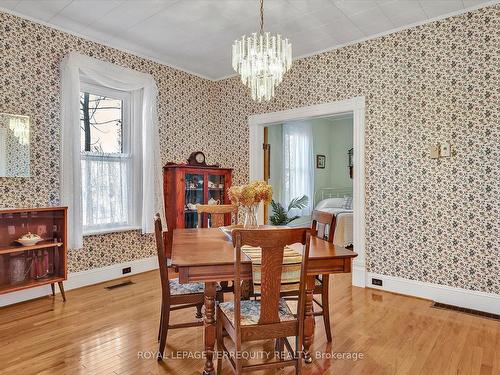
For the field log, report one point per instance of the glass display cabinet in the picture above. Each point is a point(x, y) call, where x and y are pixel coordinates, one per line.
point(185, 186)
point(33, 248)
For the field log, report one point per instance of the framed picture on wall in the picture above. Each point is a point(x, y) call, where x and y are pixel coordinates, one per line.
point(320, 161)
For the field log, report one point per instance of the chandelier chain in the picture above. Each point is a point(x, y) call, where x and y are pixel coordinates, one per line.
point(261, 16)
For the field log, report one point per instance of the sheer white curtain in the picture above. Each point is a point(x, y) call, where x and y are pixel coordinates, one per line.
point(106, 191)
point(298, 167)
point(74, 68)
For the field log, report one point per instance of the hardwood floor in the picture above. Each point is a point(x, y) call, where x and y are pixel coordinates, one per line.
point(99, 331)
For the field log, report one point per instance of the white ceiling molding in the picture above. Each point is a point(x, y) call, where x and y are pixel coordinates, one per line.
point(195, 36)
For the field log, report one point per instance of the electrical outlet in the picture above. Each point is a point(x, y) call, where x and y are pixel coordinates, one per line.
point(445, 150)
point(376, 282)
point(126, 270)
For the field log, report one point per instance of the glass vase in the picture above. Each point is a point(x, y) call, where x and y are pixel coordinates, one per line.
point(250, 218)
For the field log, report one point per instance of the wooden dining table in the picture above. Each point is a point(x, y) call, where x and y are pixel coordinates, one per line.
point(207, 255)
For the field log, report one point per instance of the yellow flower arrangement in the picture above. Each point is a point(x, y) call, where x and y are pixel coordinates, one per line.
point(251, 194)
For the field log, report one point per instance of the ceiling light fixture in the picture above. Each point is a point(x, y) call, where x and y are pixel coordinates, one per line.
point(262, 60)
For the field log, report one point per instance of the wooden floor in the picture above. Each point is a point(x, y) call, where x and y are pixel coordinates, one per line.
point(99, 331)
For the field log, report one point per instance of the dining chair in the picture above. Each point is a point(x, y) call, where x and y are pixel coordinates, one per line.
point(321, 227)
point(268, 317)
point(217, 213)
point(321, 221)
point(174, 295)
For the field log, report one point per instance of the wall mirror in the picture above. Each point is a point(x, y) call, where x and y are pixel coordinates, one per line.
point(14, 145)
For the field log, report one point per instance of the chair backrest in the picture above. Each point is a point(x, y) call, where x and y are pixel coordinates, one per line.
point(162, 257)
point(217, 213)
point(272, 242)
point(320, 222)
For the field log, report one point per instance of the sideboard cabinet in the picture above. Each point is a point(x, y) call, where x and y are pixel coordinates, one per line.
point(23, 267)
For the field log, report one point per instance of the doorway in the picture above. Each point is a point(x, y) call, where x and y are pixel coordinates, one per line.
point(353, 107)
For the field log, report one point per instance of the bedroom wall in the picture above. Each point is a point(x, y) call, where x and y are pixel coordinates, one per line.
point(29, 74)
point(430, 220)
point(333, 138)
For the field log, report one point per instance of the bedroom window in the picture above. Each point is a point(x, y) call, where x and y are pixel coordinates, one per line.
point(107, 162)
point(298, 169)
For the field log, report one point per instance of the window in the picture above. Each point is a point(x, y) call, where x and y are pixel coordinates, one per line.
point(298, 169)
point(107, 160)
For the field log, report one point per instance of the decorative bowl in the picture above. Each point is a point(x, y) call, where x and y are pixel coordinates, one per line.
point(29, 239)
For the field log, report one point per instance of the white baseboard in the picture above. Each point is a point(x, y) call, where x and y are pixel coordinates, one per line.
point(358, 275)
point(83, 278)
point(470, 299)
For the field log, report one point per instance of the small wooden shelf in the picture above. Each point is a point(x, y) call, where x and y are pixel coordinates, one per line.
point(30, 283)
point(26, 263)
point(40, 245)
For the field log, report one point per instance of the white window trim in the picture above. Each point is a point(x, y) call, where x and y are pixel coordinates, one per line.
point(128, 154)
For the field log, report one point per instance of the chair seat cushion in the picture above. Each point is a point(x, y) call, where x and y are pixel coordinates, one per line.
point(177, 288)
point(250, 312)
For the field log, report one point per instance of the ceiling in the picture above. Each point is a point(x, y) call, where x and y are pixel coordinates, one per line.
point(196, 35)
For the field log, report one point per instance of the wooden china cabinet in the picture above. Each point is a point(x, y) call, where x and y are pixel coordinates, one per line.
point(185, 185)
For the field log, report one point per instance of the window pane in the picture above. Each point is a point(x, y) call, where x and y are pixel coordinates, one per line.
point(101, 124)
point(105, 191)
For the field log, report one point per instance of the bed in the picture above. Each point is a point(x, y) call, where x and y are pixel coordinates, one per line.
point(339, 203)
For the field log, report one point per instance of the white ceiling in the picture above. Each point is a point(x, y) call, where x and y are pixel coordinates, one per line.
point(196, 35)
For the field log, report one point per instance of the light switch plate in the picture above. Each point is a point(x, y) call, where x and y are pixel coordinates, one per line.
point(445, 151)
point(434, 151)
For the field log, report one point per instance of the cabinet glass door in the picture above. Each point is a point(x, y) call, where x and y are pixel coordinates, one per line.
point(215, 189)
point(193, 196)
point(215, 192)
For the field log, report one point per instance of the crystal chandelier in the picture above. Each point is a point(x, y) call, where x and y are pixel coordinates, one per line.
point(20, 129)
point(262, 59)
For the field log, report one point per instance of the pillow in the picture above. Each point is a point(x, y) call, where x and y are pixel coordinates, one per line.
point(330, 203)
point(347, 203)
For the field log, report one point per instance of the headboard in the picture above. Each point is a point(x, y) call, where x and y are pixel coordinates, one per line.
point(325, 193)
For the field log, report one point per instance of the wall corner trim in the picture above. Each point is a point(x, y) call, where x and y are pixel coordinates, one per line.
point(471, 299)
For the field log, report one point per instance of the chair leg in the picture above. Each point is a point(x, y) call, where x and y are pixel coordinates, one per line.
point(199, 315)
point(298, 353)
point(164, 330)
point(220, 340)
point(279, 347)
point(161, 321)
point(326, 307)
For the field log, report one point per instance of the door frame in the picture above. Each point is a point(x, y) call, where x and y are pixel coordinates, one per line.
point(356, 106)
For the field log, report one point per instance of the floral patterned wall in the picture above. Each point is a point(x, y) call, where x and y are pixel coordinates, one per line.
point(429, 220)
point(29, 73)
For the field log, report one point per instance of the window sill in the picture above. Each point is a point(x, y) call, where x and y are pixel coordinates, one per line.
point(97, 232)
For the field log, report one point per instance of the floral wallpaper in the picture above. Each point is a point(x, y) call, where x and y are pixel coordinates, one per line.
point(29, 72)
point(429, 220)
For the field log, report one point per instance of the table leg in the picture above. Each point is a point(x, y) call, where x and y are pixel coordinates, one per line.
point(210, 327)
point(308, 319)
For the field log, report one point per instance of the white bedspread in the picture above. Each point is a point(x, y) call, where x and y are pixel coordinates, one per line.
point(343, 229)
